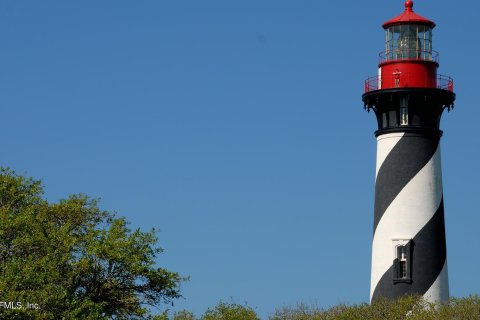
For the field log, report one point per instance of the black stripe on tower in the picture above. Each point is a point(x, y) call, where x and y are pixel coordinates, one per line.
point(404, 161)
point(429, 257)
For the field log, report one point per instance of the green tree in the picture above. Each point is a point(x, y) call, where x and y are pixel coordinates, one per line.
point(71, 260)
point(230, 311)
point(405, 308)
point(184, 315)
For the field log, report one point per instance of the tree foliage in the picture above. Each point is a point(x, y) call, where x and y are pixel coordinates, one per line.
point(407, 308)
point(72, 260)
point(230, 311)
point(184, 315)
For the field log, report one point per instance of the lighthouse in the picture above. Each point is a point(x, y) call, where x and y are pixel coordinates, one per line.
point(408, 98)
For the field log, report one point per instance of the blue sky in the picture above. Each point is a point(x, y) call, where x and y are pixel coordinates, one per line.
point(234, 127)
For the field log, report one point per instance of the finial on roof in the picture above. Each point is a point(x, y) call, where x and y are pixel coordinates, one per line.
point(409, 5)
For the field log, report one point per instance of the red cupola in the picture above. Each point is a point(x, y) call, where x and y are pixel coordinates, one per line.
point(409, 17)
point(408, 59)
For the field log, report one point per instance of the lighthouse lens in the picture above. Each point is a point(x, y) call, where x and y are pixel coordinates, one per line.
point(408, 45)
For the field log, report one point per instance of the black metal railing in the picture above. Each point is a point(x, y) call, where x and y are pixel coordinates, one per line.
point(396, 54)
point(408, 81)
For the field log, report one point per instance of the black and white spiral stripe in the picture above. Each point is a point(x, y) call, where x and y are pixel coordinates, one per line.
point(409, 205)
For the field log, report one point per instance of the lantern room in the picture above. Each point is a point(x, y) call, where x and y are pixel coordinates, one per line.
point(409, 60)
point(408, 36)
point(409, 41)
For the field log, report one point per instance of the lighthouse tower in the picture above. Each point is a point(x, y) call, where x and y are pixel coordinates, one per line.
point(408, 98)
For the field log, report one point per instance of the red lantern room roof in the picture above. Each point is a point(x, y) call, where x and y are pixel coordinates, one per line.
point(408, 17)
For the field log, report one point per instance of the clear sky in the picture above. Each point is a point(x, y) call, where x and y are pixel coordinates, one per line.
point(237, 129)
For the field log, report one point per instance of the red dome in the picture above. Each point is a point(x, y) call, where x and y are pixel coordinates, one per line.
point(408, 17)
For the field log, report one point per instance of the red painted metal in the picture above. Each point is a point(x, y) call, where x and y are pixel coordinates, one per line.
point(412, 73)
point(408, 17)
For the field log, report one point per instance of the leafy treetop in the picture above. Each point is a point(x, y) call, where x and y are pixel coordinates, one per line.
point(74, 261)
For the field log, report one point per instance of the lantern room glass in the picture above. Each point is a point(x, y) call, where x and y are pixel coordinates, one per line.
point(409, 41)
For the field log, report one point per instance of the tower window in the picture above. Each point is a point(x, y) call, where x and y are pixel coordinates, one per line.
point(404, 112)
point(404, 116)
point(402, 263)
point(384, 120)
point(402, 271)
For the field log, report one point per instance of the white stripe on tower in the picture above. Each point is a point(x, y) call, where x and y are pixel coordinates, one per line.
point(388, 141)
point(439, 291)
point(409, 205)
